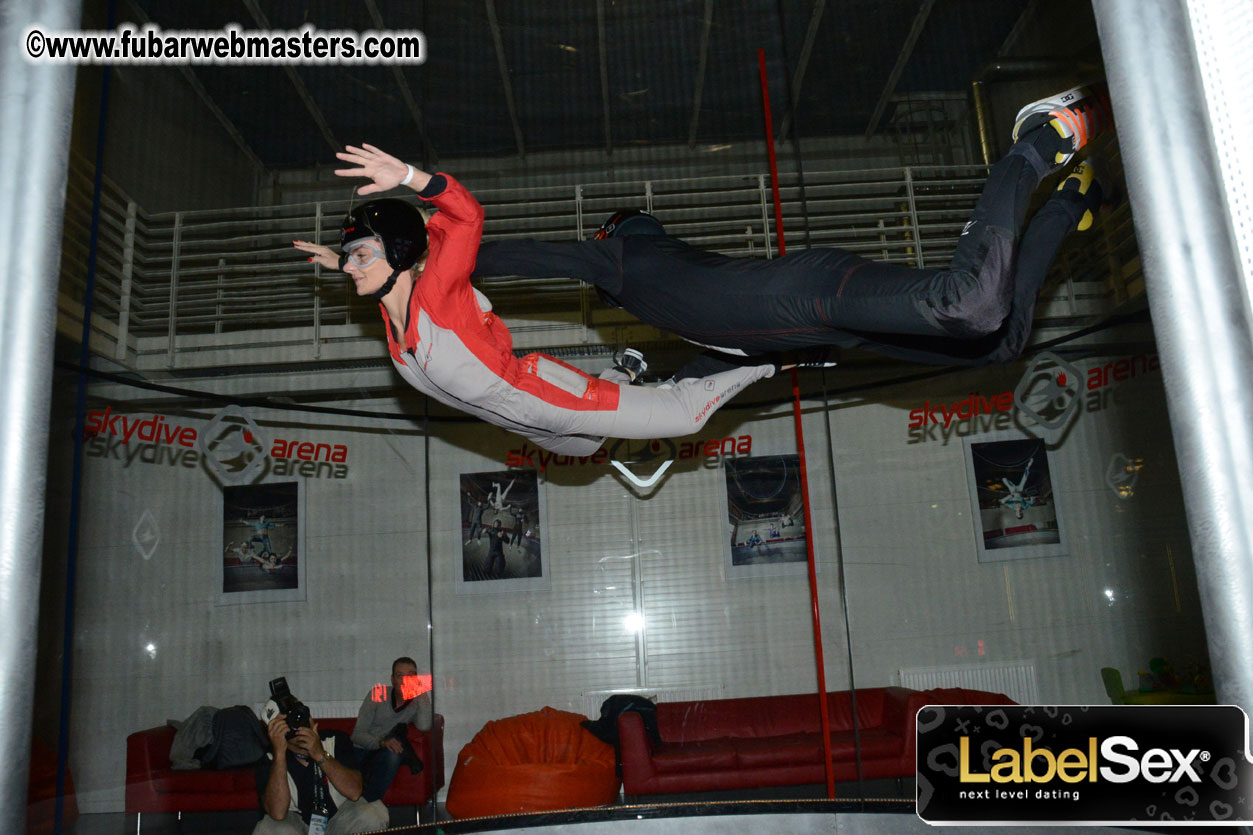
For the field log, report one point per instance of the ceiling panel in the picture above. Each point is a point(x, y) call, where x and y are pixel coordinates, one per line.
point(553, 53)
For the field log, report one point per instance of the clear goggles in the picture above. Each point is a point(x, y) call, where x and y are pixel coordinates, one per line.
point(364, 252)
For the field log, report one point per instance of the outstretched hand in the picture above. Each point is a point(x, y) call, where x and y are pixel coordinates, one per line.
point(323, 255)
point(385, 170)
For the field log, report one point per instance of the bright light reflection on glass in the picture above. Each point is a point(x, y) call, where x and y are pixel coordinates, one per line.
point(633, 622)
point(151, 649)
point(1109, 595)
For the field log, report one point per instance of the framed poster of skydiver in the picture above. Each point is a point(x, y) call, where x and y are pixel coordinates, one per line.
point(765, 516)
point(1013, 497)
point(501, 532)
point(261, 554)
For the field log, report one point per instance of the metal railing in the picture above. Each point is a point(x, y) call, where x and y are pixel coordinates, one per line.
point(165, 276)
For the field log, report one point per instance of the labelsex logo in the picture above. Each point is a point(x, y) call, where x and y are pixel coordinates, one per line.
point(1108, 765)
point(1040, 765)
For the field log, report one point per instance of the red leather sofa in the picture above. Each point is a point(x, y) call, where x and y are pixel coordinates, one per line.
point(777, 740)
point(152, 786)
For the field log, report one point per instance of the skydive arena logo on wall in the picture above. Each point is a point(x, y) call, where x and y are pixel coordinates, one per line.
point(1159, 764)
point(232, 447)
point(230, 444)
point(1049, 394)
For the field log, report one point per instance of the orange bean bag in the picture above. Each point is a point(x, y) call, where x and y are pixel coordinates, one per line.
point(532, 763)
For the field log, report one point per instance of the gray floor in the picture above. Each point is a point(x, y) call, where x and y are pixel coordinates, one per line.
point(850, 823)
point(201, 823)
point(229, 823)
point(845, 823)
point(658, 821)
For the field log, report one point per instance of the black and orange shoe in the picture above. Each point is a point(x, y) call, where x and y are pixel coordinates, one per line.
point(1089, 181)
point(1078, 115)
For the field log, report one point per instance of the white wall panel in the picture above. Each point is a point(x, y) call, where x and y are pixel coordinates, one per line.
point(916, 592)
point(151, 642)
point(501, 654)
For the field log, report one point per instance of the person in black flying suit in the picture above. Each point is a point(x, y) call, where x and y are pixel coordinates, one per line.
point(976, 311)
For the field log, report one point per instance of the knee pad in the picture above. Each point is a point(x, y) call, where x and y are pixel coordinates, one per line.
point(973, 302)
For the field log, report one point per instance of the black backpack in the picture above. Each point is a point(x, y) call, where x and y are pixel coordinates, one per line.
point(239, 739)
point(606, 727)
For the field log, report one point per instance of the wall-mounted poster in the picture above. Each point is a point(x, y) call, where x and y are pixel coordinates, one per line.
point(766, 514)
point(1014, 498)
point(261, 557)
point(501, 532)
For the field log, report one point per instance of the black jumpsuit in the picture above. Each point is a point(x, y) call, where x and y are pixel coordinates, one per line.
point(977, 311)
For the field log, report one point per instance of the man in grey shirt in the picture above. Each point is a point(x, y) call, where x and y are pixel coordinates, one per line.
point(379, 753)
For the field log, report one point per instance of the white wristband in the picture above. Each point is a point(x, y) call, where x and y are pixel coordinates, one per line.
point(408, 177)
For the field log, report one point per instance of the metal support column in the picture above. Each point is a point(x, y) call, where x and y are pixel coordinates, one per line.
point(35, 113)
point(317, 286)
point(128, 275)
point(172, 324)
point(1200, 308)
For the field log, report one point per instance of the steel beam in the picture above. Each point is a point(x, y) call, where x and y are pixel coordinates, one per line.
point(902, 60)
point(429, 157)
point(193, 80)
point(604, 73)
point(302, 92)
point(811, 35)
point(700, 72)
point(505, 81)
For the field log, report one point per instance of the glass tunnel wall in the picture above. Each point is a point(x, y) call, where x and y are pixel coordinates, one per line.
point(263, 496)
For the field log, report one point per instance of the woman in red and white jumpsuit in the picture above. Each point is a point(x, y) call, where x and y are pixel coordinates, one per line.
point(446, 342)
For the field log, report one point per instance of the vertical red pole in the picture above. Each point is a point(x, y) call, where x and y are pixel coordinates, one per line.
point(823, 710)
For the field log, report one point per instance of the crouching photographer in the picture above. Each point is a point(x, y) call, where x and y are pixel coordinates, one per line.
point(310, 783)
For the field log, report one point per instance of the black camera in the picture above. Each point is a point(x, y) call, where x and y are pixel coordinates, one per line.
point(296, 710)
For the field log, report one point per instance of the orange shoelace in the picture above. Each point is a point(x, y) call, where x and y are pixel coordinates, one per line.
point(1086, 119)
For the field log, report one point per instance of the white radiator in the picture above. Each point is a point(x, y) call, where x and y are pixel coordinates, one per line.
point(592, 699)
point(1015, 679)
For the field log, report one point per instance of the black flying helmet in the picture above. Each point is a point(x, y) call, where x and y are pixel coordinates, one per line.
point(398, 224)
